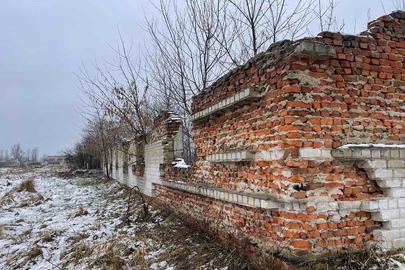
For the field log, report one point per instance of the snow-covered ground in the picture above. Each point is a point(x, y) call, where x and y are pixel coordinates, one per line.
point(82, 223)
point(57, 226)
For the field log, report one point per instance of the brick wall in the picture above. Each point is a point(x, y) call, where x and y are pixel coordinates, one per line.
point(265, 135)
point(136, 163)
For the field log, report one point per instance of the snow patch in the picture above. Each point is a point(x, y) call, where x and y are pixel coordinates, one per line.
point(377, 145)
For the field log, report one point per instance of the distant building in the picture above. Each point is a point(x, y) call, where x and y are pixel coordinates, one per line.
point(56, 159)
point(8, 164)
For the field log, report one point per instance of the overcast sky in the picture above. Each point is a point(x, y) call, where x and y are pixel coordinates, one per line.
point(43, 44)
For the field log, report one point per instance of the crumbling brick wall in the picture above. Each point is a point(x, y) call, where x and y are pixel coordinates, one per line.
point(141, 164)
point(264, 135)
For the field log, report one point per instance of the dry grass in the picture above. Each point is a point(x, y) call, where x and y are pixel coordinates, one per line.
point(49, 236)
point(368, 257)
point(28, 185)
point(75, 254)
point(110, 257)
point(19, 261)
point(78, 237)
point(79, 212)
point(34, 252)
point(163, 238)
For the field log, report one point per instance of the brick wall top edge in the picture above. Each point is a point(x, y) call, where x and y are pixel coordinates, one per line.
point(275, 53)
point(391, 24)
point(279, 52)
point(166, 115)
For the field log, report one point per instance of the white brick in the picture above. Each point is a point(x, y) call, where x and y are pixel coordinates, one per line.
point(397, 223)
point(396, 163)
point(375, 164)
point(401, 202)
point(390, 183)
point(385, 215)
point(286, 173)
point(393, 203)
point(370, 205)
point(266, 204)
point(398, 243)
point(256, 202)
point(278, 154)
point(396, 192)
point(356, 153)
point(394, 153)
point(326, 153)
point(385, 153)
point(222, 195)
point(309, 152)
point(245, 199)
point(349, 205)
point(383, 204)
point(399, 173)
point(365, 153)
point(386, 235)
point(375, 153)
point(296, 206)
point(380, 174)
point(327, 206)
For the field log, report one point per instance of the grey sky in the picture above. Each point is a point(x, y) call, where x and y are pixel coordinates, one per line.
point(43, 44)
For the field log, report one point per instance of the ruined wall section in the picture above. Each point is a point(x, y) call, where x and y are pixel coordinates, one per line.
point(358, 96)
point(265, 132)
point(159, 151)
point(248, 128)
point(137, 163)
point(327, 91)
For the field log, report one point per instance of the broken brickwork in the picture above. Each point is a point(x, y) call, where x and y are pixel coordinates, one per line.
point(143, 164)
point(267, 135)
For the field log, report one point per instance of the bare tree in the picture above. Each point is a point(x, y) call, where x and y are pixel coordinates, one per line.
point(186, 54)
point(17, 153)
point(250, 26)
point(399, 4)
point(325, 15)
point(194, 44)
point(396, 4)
point(2, 154)
point(28, 154)
point(119, 91)
point(101, 135)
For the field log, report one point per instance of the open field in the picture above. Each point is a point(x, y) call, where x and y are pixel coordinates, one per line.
point(47, 222)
